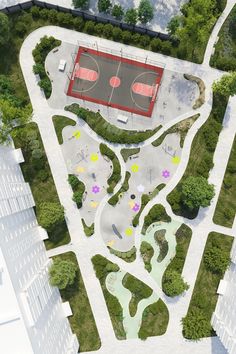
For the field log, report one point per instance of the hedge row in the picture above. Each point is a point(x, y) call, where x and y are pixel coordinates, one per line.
point(40, 53)
point(78, 188)
point(125, 186)
point(128, 256)
point(116, 173)
point(108, 131)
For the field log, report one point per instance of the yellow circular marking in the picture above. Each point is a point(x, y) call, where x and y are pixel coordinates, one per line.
point(110, 243)
point(129, 231)
point(175, 160)
point(80, 169)
point(77, 134)
point(94, 157)
point(134, 167)
point(93, 204)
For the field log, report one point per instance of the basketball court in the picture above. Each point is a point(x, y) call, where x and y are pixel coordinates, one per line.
point(115, 81)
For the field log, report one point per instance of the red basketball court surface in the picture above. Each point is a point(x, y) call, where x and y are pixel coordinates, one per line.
point(115, 81)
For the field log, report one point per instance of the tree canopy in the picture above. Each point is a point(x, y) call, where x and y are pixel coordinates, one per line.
point(50, 215)
point(216, 260)
point(80, 3)
point(117, 11)
point(196, 325)
point(173, 284)
point(104, 5)
point(226, 86)
point(145, 11)
point(131, 16)
point(4, 29)
point(62, 273)
point(197, 192)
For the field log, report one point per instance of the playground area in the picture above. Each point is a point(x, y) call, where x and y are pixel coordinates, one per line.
point(149, 168)
point(83, 159)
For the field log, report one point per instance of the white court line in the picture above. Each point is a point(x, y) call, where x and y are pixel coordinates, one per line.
point(117, 71)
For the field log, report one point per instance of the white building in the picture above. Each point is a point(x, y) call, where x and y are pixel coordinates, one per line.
point(32, 315)
point(224, 317)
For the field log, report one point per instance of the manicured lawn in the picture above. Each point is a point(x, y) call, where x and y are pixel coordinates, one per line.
point(60, 123)
point(226, 206)
point(204, 295)
point(37, 172)
point(201, 155)
point(82, 321)
point(183, 238)
point(155, 320)
point(101, 265)
point(224, 57)
point(138, 289)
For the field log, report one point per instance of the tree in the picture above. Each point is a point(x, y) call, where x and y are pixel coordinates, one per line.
point(131, 16)
point(173, 25)
point(80, 4)
point(216, 260)
point(50, 215)
point(11, 117)
point(104, 6)
point(117, 11)
point(145, 11)
point(196, 325)
point(62, 273)
point(197, 192)
point(4, 29)
point(173, 284)
point(226, 86)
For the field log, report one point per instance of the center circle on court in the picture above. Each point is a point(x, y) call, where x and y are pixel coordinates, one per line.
point(115, 81)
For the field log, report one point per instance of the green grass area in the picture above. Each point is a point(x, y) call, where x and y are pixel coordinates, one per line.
point(102, 268)
point(183, 238)
point(180, 128)
point(144, 200)
point(156, 213)
point(204, 295)
point(147, 253)
point(36, 171)
point(88, 230)
point(138, 289)
point(60, 123)
point(116, 172)
point(128, 256)
point(126, 153)
point(226, 205)
point(108, 131)
point(124, 188)
point(154, 320)
point(224, 57)
point(82, 321)
point(201, 155)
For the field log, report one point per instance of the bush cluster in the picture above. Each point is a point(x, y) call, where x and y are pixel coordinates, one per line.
point(116, 173)
point(137, 287)
point(40, 53)
point(156, 213)
point(88, 230)
point(128, 256)
point(125, 186)
point(147, 253)
point(173, 284)
point(78, 188)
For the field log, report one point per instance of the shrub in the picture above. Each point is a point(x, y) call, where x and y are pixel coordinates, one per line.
point(35, 11)
point(126, 37)
point(117, 34)
point(62, 273)
point(50, 215)
point(166, 47)
point(156, 44)
point(99, 28)
point(173, 284)
point(144, 40)
point(65, 19)
point(216, 260)
point(21, 28)
point(89, 27)
point(78, 23)
point(196, 325)
point(196, 192)
point(73, 181)
point(107, 30)
point(136, 38)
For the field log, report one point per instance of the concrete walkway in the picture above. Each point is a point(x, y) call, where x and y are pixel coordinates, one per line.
point(85, 248)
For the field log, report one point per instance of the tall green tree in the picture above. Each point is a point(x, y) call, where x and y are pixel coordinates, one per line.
point(131, 16)
point(4, 29)
point(145, 11)
point(50, 215)
point(226, 85)
point(173, 284)
point(62, 273)
point(117, 11)
point(80, 4)
point(104, 6)
point(197, 192)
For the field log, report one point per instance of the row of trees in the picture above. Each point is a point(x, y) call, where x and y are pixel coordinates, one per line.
point(144, 13)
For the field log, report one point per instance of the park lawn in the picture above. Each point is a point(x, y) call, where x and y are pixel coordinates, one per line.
point(226, 205)
point(60, 123)
point(43, 188)
point(224, 57)
point(204, 295)
point(138, 289)
point(82, 321)
point(154, 320)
